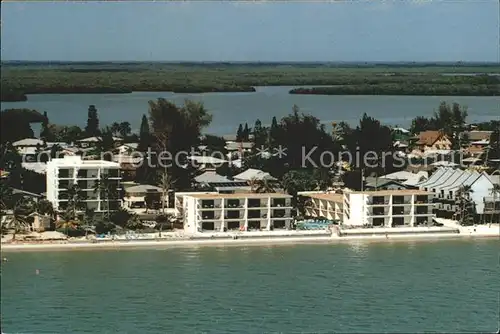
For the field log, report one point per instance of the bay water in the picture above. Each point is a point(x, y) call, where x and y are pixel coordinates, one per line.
point(231, 109)
point(353, 287)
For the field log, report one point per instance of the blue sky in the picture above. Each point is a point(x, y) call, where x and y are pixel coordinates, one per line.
point(377, 30)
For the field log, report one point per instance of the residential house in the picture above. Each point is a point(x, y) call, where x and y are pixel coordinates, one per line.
point(254, 174)
point(446, 184)
point(211, 180)
point(203, 162)
point(135, 196)
point(432, 142)
point(379, 183)
point(407, 178)
point(28, 142)
point(93, 141)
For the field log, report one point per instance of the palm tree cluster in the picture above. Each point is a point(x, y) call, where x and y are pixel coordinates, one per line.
point(466, 208)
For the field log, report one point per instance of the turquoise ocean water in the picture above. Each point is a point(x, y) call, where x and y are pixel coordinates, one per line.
point(424, 286)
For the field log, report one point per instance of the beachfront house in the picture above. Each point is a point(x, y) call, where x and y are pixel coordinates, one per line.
point(238, 211)
point(446, 184)
point(62, 174)
point(135, 196)
point(383, 208)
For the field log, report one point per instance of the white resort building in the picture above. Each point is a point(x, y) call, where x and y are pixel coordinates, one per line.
point(446, 183)
point(384, 208)
point(238, 211)
point(61, 174)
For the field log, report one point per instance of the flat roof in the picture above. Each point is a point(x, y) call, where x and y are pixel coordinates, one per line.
point(331, 197)
point(397, 192)
point(240, 195)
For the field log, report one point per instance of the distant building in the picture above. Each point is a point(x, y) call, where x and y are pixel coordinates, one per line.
point(92, 141)
point(254, 174)
point(61, 174)
point(379, 183)
point(432, 141)
point(28, 142)
point(401, 134)
point(211, 180)
point(407, 178)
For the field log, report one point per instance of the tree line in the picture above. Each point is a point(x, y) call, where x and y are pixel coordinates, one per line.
point(17, 81)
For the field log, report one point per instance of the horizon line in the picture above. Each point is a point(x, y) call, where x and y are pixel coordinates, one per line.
point(256, 61)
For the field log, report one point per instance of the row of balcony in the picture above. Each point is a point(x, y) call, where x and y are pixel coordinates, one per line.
point(241, 219)
point(85, 185)
point(398, 212)
point(385, 203)
point(252, 203)
point(69, 173)
point(208, 215)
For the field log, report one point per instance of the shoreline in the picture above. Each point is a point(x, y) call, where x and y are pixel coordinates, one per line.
point(218, 242)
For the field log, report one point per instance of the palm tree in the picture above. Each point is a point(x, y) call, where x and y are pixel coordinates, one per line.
point(115, 128)
point(74, 196)
point(166, 183)
point(133, 222)
point(104, 187)
point(21, 211)
point(5, 196)
point(261, 186)
point(44, 207)
point(106, 144)
point(89, 221)
point(162, 220)
point(124, 129)
point(495, 191)
point(466, 207)
point(69, 215)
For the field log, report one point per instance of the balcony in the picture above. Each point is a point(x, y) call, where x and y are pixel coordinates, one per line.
point(111, 173)
point(233, 204)
point(209, 207)
point(256, 203)
point(65, 173)
point(281, 203)
point(374, 203)
point(64, 185)
point(427, 202)
point(279, 214)
point(379, 213)
point(233, 217)
point(421, 212)
point(213, 217)
point(401, 212)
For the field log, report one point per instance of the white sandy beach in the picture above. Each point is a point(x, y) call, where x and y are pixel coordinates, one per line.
point(262, 238)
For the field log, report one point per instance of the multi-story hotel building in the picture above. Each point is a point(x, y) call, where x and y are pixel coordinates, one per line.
point(63, 173)
point(327, 205)
point(384, 208)
point(238, 211)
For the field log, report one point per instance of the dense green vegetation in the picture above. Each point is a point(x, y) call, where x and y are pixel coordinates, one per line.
point(19, 79)
point(405, 89)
